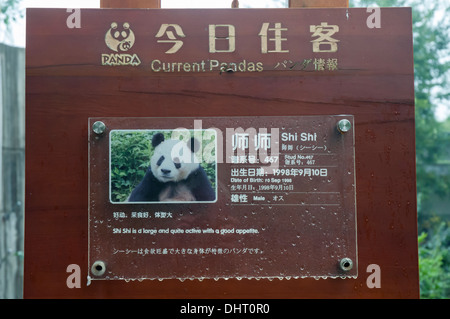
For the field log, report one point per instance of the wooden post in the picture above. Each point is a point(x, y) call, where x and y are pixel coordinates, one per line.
point(131, 4)
point(318, 3)
point(12, 176)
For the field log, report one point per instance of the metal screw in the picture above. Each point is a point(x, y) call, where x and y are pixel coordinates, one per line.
point(346, 264)
point(344, 126)
point(99, 127)
point(227, 69)
point(98, 268)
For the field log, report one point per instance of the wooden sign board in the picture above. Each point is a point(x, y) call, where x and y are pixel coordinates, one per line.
point(153, 70)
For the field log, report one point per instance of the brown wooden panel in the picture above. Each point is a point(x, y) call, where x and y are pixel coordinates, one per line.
point(67, 84)
point(235, 4)
point(318, 3)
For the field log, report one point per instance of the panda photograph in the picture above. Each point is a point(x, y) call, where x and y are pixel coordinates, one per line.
point(170, 166)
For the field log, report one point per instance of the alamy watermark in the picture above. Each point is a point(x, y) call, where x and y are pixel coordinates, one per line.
point(74, 19)
point(259, 146)
point(374, 19)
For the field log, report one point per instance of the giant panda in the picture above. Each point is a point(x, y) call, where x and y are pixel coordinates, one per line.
point(171, 178)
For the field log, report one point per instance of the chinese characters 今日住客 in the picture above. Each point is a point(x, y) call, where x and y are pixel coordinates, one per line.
point(222, 37)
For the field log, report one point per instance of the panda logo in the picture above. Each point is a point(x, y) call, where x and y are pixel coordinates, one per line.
point(122, 40)
point(174, 175)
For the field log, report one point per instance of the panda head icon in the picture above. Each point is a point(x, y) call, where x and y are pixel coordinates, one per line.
point(120, 39)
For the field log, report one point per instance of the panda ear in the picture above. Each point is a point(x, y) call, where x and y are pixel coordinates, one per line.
point(157, 139)
point(194, 145)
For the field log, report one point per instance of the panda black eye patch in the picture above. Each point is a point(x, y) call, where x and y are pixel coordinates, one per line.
point(159, 162)
point(176, 162)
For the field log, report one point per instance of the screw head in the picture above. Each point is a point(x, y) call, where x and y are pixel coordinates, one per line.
point(98, 268)
point(344, 126)
point(99, 127)
point(346, 264)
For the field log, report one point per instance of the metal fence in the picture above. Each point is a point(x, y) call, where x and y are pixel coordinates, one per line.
point(12, 175)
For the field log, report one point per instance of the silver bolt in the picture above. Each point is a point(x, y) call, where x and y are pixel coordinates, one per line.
point(99, 127)
point(344, 126)
point(346, 264)
point(226, 69)
point(98, 268)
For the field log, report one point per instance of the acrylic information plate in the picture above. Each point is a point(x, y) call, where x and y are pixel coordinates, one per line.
point(235, 197)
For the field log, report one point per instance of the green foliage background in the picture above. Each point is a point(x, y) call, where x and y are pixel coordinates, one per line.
point(434, 263)
point(9, 11)
point(130, 159)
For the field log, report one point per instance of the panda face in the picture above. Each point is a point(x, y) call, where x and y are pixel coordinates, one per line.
point(173, 161)
point(120, 37)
